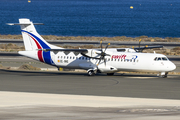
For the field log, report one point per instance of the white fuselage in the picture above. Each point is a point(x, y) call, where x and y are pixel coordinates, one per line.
point(117, 61)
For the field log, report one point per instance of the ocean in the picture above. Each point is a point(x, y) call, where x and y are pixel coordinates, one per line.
point(109, 18)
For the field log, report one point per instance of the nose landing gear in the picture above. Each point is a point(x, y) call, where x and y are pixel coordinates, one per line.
point(163, 74)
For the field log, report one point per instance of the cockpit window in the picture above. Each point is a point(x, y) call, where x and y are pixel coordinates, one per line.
point(164, 59)
point(160, 59)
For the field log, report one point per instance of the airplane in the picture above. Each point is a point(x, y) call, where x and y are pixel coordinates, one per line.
point(102, 60)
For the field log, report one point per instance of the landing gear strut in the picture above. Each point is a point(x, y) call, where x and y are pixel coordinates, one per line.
point(163, 74)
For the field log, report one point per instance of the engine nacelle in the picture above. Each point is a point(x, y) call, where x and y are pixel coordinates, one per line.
point(87, 65)
point(106, 69)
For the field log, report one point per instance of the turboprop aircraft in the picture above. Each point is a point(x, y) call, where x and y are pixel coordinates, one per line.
point(101, 60)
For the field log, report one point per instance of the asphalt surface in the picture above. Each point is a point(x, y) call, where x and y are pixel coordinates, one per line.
point(119, 85)
point(79, 83)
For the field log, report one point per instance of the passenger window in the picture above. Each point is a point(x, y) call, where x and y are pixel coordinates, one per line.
point(79, 57)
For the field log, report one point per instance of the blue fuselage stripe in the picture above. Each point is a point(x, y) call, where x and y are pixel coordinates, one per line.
point(46, 55)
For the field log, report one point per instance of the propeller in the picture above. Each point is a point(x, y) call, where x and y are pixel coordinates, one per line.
point(103, 54)
point(139, 48)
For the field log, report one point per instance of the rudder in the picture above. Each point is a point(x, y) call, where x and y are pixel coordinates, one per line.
point(28, 26)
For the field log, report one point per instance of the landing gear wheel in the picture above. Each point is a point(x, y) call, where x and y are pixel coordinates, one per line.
point(91, 73)
point(110, 74)
point(163, 74)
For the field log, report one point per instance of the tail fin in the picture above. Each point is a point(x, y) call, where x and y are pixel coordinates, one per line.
point(32, 40)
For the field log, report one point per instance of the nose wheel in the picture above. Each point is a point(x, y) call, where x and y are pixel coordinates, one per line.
point(163, 74)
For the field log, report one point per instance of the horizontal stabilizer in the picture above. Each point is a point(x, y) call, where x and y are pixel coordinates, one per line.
point(140, 49)
point(24, 23)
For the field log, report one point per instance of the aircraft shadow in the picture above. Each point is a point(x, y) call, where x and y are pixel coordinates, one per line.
point(67, 73)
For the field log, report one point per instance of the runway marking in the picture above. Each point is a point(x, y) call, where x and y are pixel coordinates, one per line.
point(142, 77)
point(20, 99)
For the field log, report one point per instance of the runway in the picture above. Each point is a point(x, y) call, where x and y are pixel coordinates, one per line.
point(26, 95)
point(126, 85)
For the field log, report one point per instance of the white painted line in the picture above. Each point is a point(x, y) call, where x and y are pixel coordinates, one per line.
point(142, 77)
point(14, 99)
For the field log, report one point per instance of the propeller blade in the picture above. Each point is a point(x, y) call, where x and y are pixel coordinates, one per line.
point(105, 61)
point(106, 47)
point(101, 45)
point(99, 62)
point(139, 42)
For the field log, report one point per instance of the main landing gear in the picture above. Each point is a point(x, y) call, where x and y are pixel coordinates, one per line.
point(91, 72)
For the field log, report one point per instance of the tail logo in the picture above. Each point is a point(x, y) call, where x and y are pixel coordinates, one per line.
point(42, 55)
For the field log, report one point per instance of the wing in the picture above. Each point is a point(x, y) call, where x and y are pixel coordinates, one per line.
point(67, 50)
point(140, 49)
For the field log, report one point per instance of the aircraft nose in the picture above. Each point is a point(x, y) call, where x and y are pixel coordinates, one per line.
point(172, 66)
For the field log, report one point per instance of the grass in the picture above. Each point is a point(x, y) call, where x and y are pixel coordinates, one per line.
point(28, 67)
point(10, 47)
point(93, 38)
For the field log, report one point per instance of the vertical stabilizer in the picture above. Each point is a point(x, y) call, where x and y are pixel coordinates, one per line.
point(34, 43)
point(32, 40)
point(27, 26)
